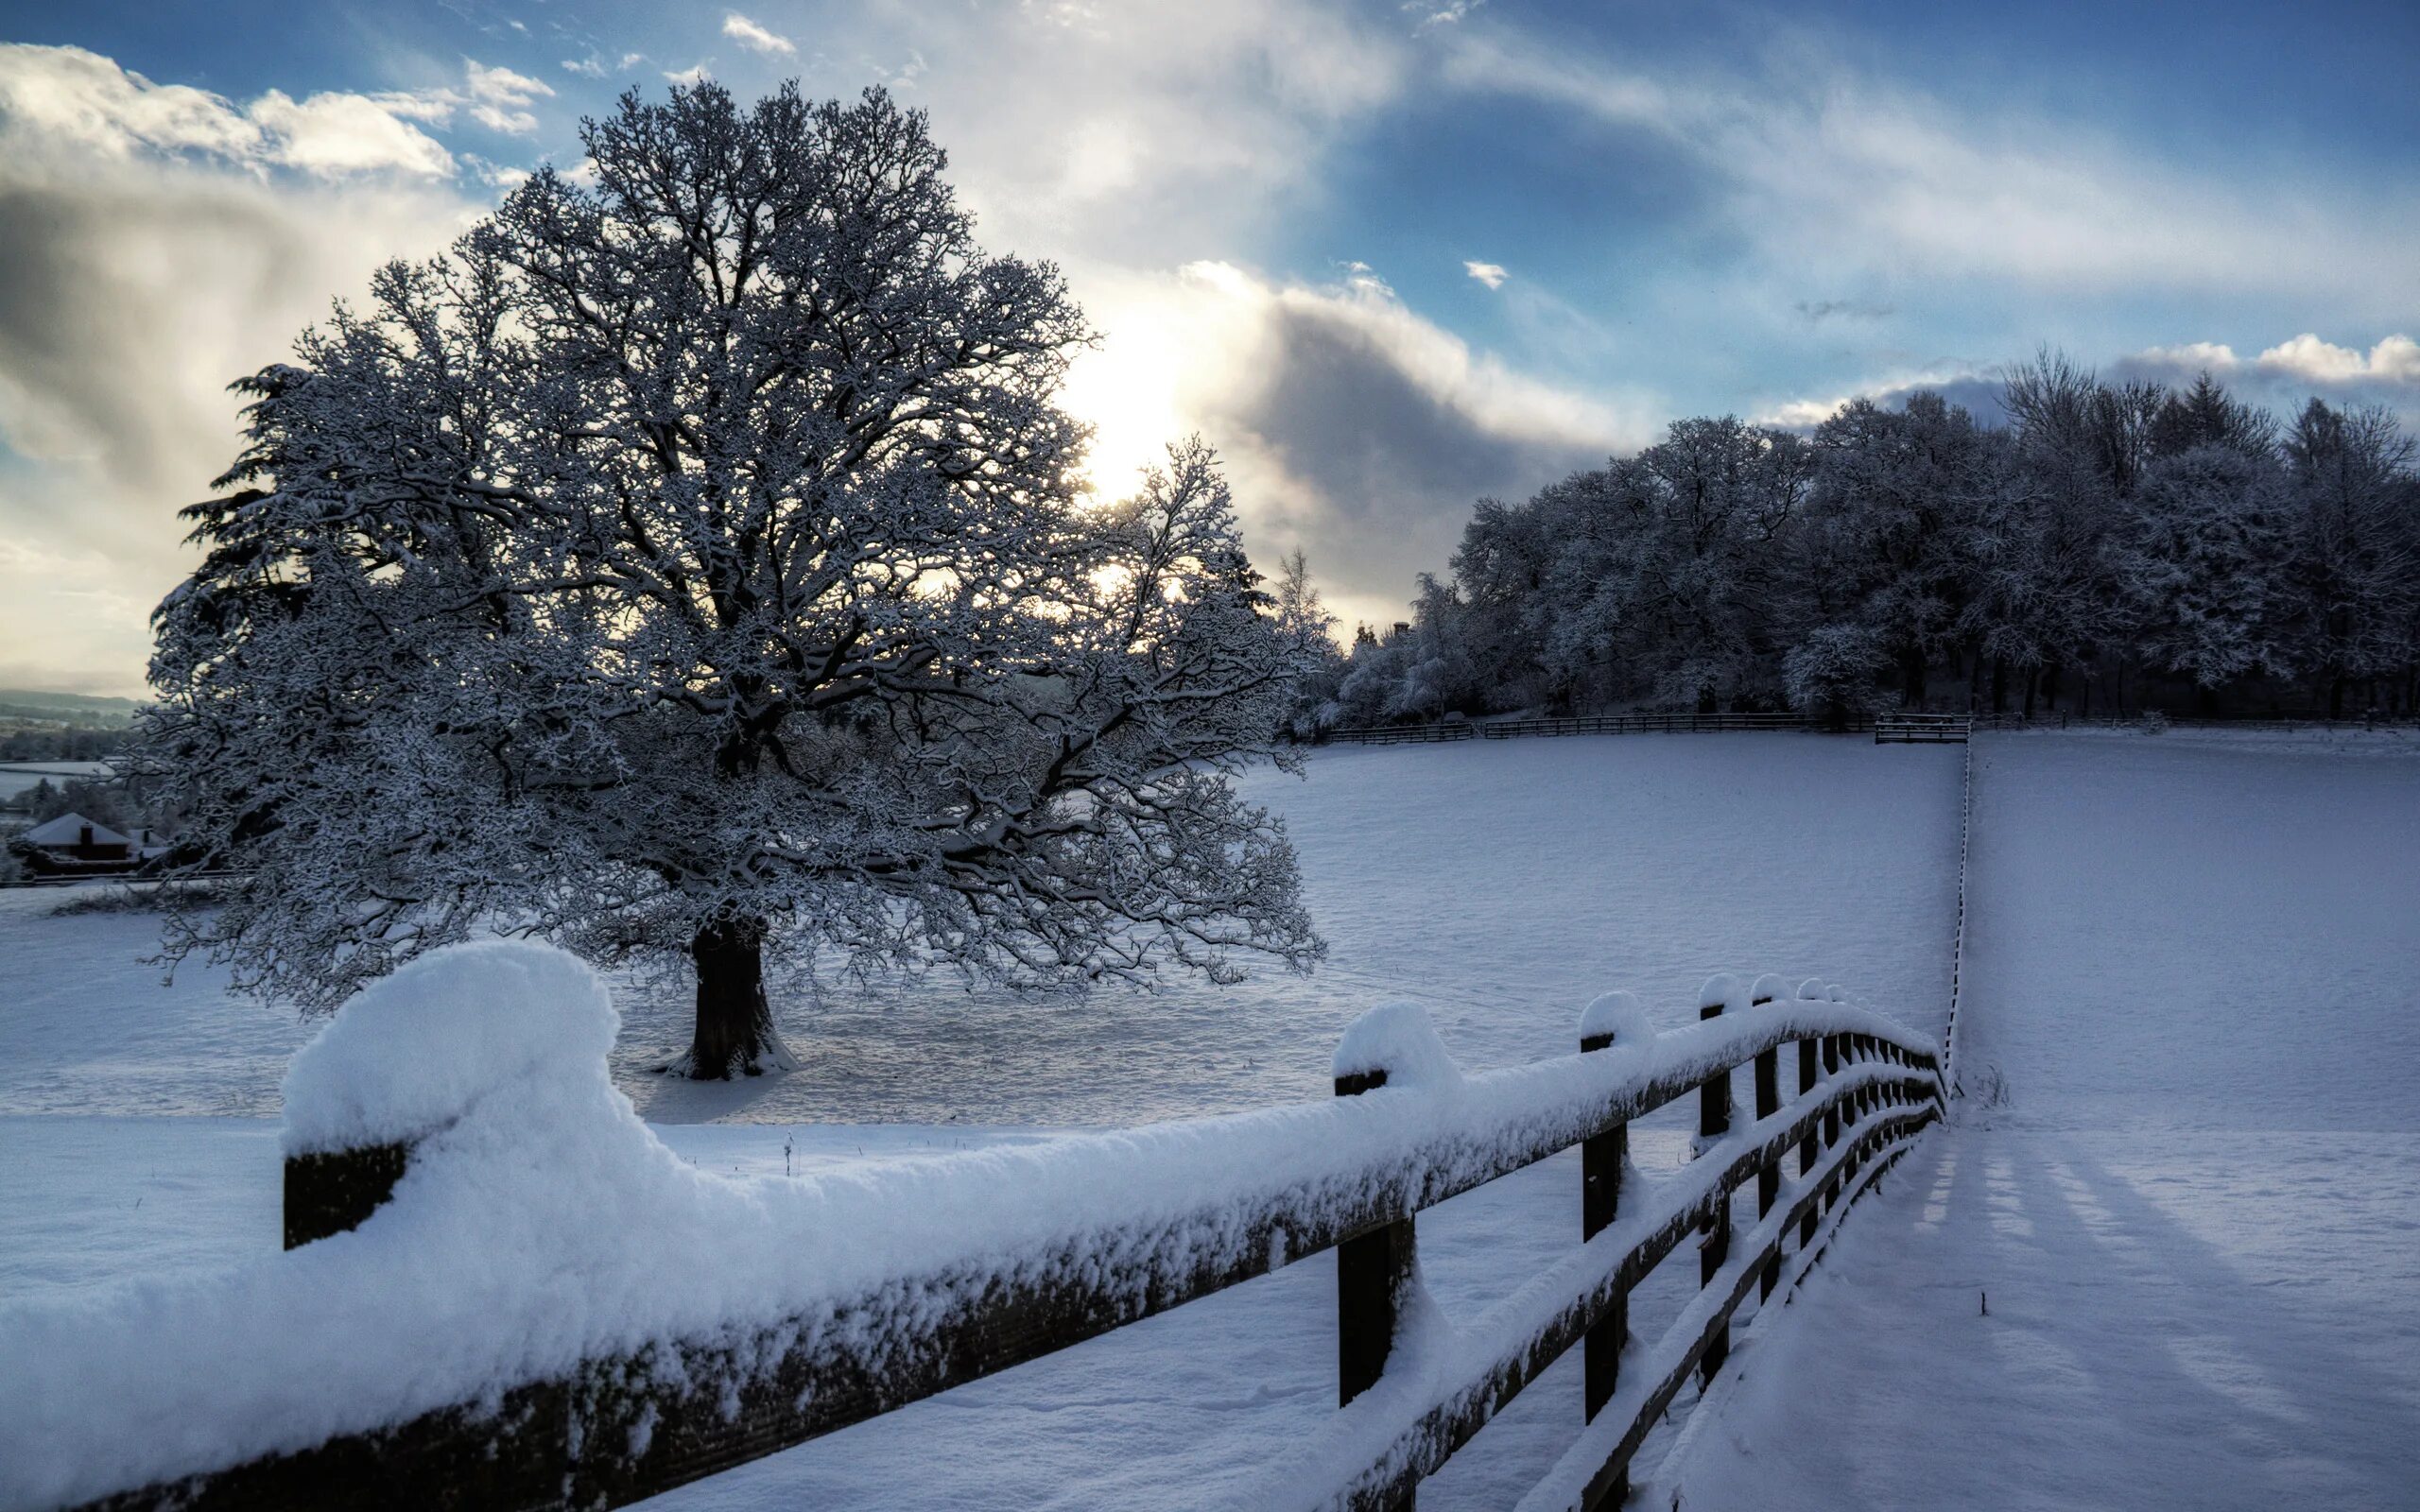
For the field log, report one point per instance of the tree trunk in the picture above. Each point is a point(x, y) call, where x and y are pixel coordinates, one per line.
point(735, 1031)
point(1999, 686)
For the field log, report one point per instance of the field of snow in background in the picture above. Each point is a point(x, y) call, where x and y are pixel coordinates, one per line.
point(22, 777)
point(1502, 885)
point(2185, 1179)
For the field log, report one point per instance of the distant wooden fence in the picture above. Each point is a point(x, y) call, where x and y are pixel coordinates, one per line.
point(2286, 721)
point(125, 879)
point(1585, 725)
point(1887, 727)
point(1922, 730)
point(624, 1428)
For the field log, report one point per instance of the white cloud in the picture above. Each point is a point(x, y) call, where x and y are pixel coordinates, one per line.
point(2304, 358)
point(334, 135)
point(1823, 167)
point(589, 67)
point(2396, 359)
point(500, 97)
point(755, 38)
point(1491, 274)
point(68, 100)
point(1434, 14)
point(691, 77)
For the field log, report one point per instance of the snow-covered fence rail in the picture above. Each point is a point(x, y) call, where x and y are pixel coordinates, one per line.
point(541, 1306)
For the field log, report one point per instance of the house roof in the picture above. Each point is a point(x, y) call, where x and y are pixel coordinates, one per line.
point(68, 828)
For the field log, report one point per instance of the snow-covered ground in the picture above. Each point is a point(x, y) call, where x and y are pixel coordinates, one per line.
point(20, 776)
point(1500, 887)
point(2185, 1175)
point(2186, 1180)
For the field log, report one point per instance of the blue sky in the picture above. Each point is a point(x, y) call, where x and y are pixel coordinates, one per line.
point(1387, 257)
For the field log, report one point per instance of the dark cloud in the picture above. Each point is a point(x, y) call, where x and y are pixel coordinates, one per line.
point(1394, 467)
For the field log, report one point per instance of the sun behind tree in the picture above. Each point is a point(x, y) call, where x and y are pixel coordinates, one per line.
point(692, 564)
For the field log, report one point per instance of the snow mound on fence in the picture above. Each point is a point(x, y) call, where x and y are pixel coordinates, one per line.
point(1619, 1015)
point(414, 1051)
point(1397, 1038)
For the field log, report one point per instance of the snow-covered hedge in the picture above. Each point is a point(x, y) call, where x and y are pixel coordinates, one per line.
point(541, 1225)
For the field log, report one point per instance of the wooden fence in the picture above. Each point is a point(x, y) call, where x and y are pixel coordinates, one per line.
point(1922, 730)
point(1887, 727)
point(1650, 724)
point(622, 1428)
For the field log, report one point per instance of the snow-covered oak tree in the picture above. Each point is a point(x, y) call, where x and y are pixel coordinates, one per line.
point(693, 566)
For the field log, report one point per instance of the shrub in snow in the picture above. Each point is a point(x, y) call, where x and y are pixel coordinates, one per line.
point(701, 599)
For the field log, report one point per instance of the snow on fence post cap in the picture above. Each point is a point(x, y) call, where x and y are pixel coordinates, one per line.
point(1814, 990)
point(1837, 993)
point(1769, 986)
point(412, 1051)
point(1723, 990)
point(1617, 1017)
point(1397, 1038)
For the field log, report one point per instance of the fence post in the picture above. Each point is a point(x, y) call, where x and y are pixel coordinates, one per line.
point(1714, 1121)
point(1371, 1270)
point(1806, 1075)
point(1769, 1175)
point(1767, 1078)
point(1616, 1017)
point(332, 1191)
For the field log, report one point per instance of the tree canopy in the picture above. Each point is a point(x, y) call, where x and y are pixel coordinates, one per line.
point(695, 563)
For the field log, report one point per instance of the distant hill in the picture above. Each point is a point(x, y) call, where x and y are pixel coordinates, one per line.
point(82, 709)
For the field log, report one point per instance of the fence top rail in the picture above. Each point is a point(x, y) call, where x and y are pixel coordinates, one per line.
point(1462, 1370)
point(539, 1226)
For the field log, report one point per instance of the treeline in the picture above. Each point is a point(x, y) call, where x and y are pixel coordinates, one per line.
point(2113, 547)
point(71, 743)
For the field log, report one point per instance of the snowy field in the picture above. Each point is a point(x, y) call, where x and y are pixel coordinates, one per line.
point(2191, 1198)
point(2185, 1179)
point(1501, 886)
point(20, 776)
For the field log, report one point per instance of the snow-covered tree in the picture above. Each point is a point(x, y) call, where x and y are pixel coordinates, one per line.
point(1891, 520)
point(691, 568)
point(1302, 615)
point(2204, 554)
point(2356, 547)
point(1831, 674)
